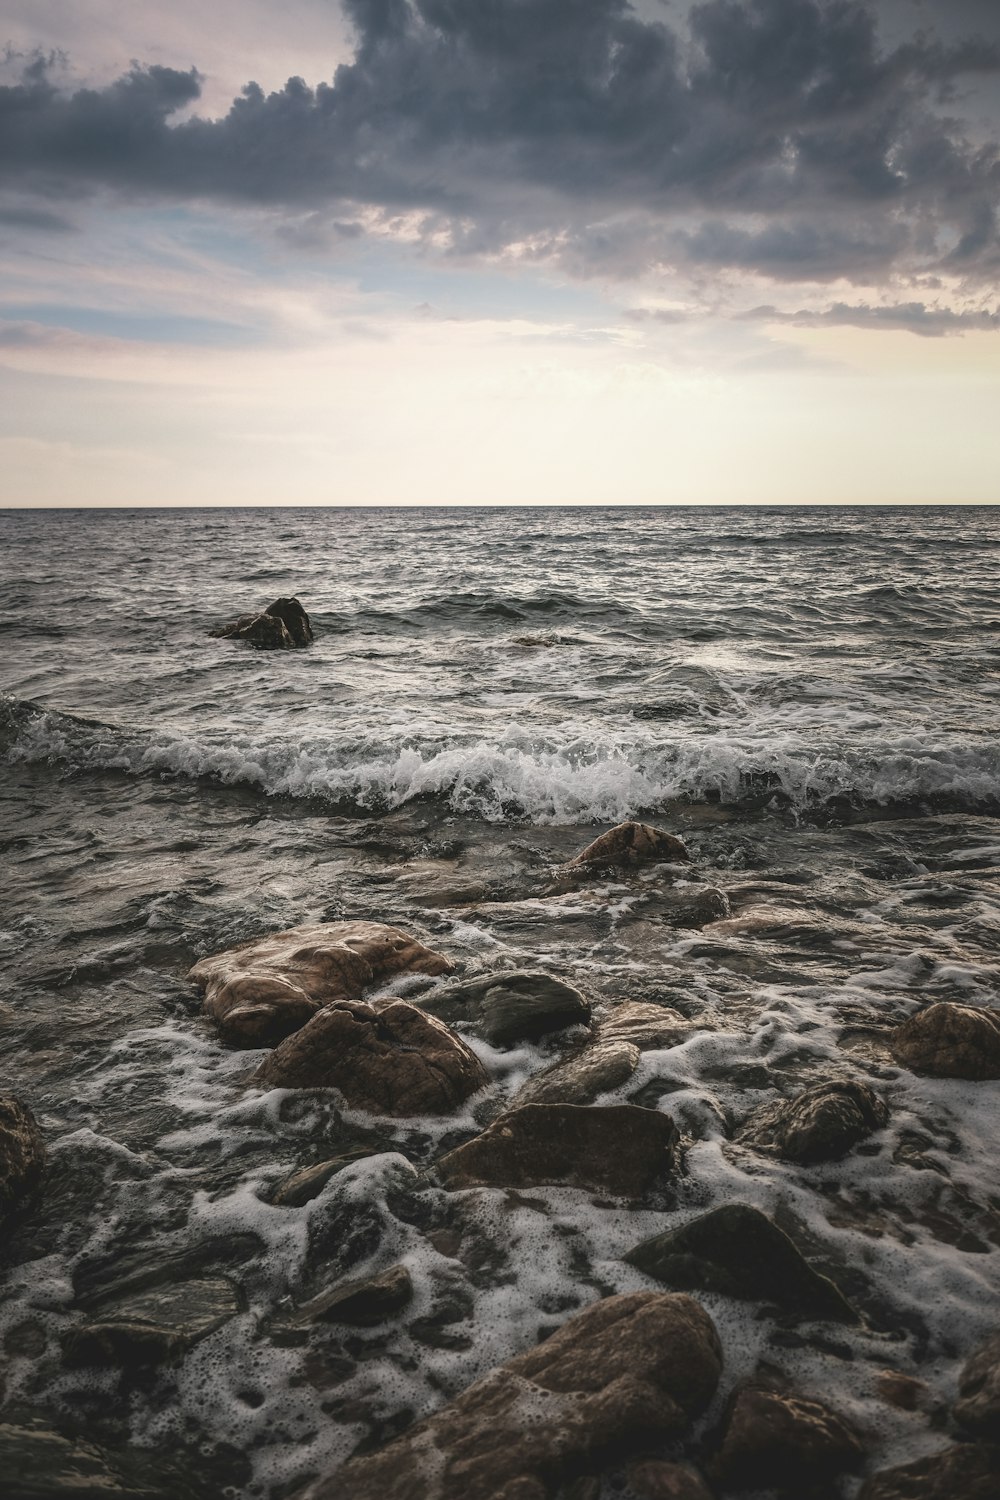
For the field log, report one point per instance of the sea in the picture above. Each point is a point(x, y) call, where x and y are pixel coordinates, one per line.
point(808, 697)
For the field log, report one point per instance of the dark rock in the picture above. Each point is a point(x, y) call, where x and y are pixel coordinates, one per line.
point(821, 1124)
point(154, 1326)
point(774, 1440)
point(362, 1303)
point(623, 1371)
point(949, 1041)
point(632, 844)
point(263, 991)
point(309, 1182)
point(653, 1479)
point(902, 1391)
point(294, 618)
point(154, 1265)
point(22, 1153)
point(37, 1463)
point(739, 1252)
point(978, 1408)
point(512, 1006)
point(966, 1471)
point(391, 1059)
point(620, 1149)
point(580, 1079)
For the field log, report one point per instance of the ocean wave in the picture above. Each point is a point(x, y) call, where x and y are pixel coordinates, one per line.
point(528, 777)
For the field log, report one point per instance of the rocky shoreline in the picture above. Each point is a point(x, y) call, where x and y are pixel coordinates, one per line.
point(630, 1389)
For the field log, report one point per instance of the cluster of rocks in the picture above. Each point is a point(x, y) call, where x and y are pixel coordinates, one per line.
point(282, 626)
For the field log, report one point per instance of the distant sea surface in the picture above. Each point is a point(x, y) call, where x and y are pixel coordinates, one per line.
point(809, 698)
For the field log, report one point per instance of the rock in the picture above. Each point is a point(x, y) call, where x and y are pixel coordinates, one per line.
point(821, 1124)
point(309, 1182)
point(37, 1463)
point(389, 1058)
point(966, 1471)
point(513, 1006)
point(774, 1440)
point(580, 1079)
point(362, 1303)
point(619, 1149)
point(739, 1252)
point(282, 626)
point(154, 1326)
point(263, 991)
point(949, 1041)
point(123, 1275)
point(978, 1408)
point(22, 1153)
point(623, 1371)
point(648, 1027)
point(632, 844)
point(655, 1480)
point(902, 1391)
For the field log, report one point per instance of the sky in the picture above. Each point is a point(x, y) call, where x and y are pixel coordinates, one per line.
point(499, 252)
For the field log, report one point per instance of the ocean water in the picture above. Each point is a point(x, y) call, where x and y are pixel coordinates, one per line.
point(809, 697)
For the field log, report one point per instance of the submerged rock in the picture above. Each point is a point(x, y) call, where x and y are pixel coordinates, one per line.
point(632, 844)
point(22, 1153)
point(582, 1078)
point(966, 1471)
point(950, 1041)
point(264, 990)
point(624, 1370)
point(820, 1124)
point(739, 1252)
point(154, 1326)
point(512, 1006)
point(621, 1149)
point(774, 1440)
point(362, 1303)
point(653, 1479)
point(390, 1058)
point(978, 1407)
point(282, 626)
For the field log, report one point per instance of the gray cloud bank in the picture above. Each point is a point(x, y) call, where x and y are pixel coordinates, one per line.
point(777, 137)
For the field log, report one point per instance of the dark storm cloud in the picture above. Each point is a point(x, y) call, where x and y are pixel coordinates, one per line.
point(775, 136)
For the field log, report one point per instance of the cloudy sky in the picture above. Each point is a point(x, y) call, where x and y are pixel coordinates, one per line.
point(493, 251)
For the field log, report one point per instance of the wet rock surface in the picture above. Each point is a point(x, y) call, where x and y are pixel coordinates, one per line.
point(965, 1471)
point(22, 1153)
point(630, 844)
point(739, 1252)
point(510, 1006)
point(978, 1407)
point(362, 1303)
point(389, 1058)
point(782, 1441)
point(582, 1078)
point(282, 626)
point(263, 991)
point(950, 1041)
point(656, 1480)
point(821, 1124)
point(626, 1368)
point(154, 1326)
point(618, 1149)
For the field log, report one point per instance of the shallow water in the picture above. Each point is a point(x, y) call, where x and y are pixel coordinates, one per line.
point(808, 697)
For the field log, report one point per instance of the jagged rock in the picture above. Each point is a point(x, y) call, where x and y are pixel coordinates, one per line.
point(282, 626)
point(306, 1184)
point(978, 1408)
point(654, 1479)
point(389, 1058)
point(821, 1124)
point(624, 1370)
point(154, 1326)
point(632, 844)
point(739, 1252)
point(580, 1079)
point(512, 1006)
point(362, 1303)
point(124, 1275)
point(37, 1463)
point(774, 1440)
point(22, 1153)
point(950, 1041)
point(620, 1149)
point(966, 1471)
point(263, 991)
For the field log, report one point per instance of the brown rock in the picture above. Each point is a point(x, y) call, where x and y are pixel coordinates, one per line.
point(389, 1058)
point(264, 990)
point(966, 1471)
point(632, 844)
point(621, 1149)
point(978, 1408)
point(777, 1440)
point(950, 1041)
point(645, 1025)
point(363, 1303)
point(307, 1183)
point(22, 1153)
point(581, 1078)
point(655, 1480)
point(904, 1392)
point(821, 1124)
point(623, 1371)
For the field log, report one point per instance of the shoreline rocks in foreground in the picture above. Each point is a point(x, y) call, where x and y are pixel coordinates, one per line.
point(22, 1154)
point(282, 626)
